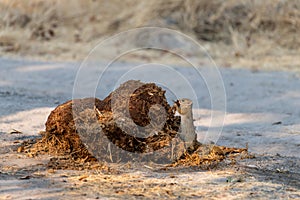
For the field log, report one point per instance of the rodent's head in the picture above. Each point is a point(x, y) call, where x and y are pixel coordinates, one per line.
point(183, 106)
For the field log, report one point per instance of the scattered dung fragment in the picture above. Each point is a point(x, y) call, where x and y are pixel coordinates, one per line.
point(209, 156)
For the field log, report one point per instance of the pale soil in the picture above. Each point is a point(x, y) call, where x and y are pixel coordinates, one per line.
point(255, 101)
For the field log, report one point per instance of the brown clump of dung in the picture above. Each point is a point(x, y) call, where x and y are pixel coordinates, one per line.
point(145, 120)
point(61, 137)
point(133, 123)
point(124, 124)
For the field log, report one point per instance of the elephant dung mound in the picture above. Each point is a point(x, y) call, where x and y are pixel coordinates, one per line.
point(135, 118)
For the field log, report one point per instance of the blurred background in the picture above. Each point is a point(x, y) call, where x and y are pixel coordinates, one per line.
point(255, 34)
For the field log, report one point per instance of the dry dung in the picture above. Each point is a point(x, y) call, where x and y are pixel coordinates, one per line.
point(125, 126)
point(87, 128)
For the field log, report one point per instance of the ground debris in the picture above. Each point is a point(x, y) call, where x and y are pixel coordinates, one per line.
point(14, 131)
point(208, 156)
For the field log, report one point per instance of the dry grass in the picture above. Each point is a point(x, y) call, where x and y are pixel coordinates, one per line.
point(257, 34)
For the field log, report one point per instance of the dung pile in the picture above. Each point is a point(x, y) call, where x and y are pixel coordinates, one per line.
point(132, 122)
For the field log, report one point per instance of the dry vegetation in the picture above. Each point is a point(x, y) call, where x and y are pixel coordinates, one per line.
point(256, 34)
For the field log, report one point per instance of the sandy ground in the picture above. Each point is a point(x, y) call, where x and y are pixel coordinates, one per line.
point(261, 111)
